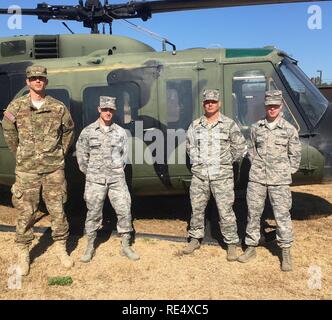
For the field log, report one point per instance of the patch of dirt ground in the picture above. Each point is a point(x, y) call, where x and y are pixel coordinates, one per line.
point(163, 273)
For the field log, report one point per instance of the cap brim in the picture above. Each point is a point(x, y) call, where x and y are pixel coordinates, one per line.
point(273, 103)
point(31, 76)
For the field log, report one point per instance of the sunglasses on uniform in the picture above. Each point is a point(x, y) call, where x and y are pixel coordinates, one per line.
point(35, 78)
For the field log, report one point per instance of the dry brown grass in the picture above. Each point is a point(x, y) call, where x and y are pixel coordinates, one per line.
point(163, 273)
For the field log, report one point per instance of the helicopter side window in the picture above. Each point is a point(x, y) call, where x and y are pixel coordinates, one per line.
point(13, 48)
point(60, 94)
point(313, 103)
point(179, 103)
point(248, 97)
point(127, 102)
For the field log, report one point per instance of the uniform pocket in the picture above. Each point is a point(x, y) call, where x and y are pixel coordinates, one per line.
point(95, 152)
point(222, 136)
point(281, 141)
point(281, 146)
point(94, 142)
point(95, 145)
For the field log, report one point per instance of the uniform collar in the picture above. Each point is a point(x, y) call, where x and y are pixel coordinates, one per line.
point(96, 125)
point(203, 120)
point(280, 123)
point(44, 108)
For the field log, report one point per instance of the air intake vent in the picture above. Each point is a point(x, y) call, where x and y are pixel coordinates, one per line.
point(46, 47)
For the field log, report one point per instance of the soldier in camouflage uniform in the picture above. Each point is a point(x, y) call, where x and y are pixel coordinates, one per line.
point(39, 131)
point(214, 142)
point(102, 151)
point(275, 154)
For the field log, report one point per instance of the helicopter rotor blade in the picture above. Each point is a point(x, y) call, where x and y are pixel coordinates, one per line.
point(159, 6)
point(94, 13)
point(47, 12)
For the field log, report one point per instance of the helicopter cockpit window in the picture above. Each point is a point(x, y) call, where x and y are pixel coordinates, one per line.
point(248, 97)
point(179, 103)
point(313, 103)
point(127, 102)
point(13, 48)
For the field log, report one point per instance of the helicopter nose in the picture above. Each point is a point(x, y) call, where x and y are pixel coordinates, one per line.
point(323, 141)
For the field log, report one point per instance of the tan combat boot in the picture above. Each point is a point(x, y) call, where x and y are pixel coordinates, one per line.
point(247, 255)
point(61, 253)
point(90, 250)
point(23, 258)
point(286, 264)
point(191, 246)
point(126, 250)
point(231, 252)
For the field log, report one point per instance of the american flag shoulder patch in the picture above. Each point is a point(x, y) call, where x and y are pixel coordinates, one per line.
point(9, 116)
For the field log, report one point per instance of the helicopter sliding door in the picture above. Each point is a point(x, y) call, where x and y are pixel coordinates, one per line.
point(138, 107)
point(8, 88)
point(245, 86)
point(178, 92)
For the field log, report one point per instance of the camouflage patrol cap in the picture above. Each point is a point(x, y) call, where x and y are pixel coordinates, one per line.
point(36, 71)
point(209, 94)
point(107, 102)
point(273, 97)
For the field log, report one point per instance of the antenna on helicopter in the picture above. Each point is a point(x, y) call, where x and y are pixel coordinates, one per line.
point(67, 27)
point(153, 35)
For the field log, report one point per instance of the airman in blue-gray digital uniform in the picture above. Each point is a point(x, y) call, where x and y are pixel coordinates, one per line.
point(275, 154)
point(102, 151)
point(214, 142)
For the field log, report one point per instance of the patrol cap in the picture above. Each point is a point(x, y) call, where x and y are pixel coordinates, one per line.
point(107, 102)
point(209, 94)
point(273, 97)
point(36, 71)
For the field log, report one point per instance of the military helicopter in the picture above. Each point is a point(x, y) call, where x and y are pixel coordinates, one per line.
point(159, 93)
